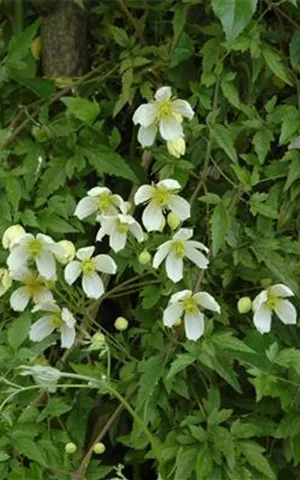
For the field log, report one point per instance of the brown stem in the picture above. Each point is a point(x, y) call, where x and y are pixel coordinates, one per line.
point(132, 21)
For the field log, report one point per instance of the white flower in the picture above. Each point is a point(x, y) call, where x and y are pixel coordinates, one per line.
point(176, 147)
point(55, 319)
point(273, 299)
point(89, 266)
point(186, 304)
point(164, 113)
point(99, 200)
point(40, 250)
point(43, 375)
point(69, 252)
point(5, 281)
point(34, 288)
point(161, 197)
point(11, 234)
point(117, 228)
point(176, 250)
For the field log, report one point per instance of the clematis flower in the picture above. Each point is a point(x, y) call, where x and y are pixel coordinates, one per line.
point(185, 304)
point(164, 113)
point(160, 198)
point(88, 266)
point(176, 147)
point(34, 288)
point(117, 228)
point(176, 250)
point(5, 281)
point(99, 200)
point(56, 318)
point(69, 252)
point(40, 249)
point(45, 376)
point(11, 234)
point(273, 299)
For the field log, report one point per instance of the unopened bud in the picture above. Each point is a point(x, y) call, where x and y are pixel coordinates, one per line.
point(11, 235)
point(121, 324)
point(144, 257)
point(5, 281)
point(128, 206)
point(176, 147)
point(99, 448)
point(70, 448)
point(173, 220)
point(69, 252)
point(162, 225)
point(244, 305)
point(98, 340)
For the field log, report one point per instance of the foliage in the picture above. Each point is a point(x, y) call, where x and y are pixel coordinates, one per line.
point(222, 408)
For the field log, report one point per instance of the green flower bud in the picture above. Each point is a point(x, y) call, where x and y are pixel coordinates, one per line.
point(244, 305)
point(173, 220)
point(162, 225)
point(98, 340)
point(99, 448)
point(128, 206)
point(121, 324)
point(70, 448)
point(11, 235)
point(69, 252)
point(144, 257)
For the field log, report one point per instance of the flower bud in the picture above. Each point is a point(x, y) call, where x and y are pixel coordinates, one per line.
point(11, 235)
point(145, 236)
point(5, 281)
point(36, 47)
point(128, 206)
point(162, 225)
point(98, 340)
point(145, 257)
point(99, 448)
point(121, 324)
point(173, 220)
point(69, 254)
point(244, 305)
point(176, 147)
point(70, 448)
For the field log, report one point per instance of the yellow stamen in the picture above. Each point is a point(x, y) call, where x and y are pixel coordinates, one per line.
point(190, 305)
point(105, 201)
point(35, 248)
point(272, 301)
point(88, 266)
point(161, 196)
point(178, 248)
point(57, 321)
point(122, 227)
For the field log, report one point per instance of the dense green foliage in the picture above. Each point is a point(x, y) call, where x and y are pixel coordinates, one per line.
point(225, 407)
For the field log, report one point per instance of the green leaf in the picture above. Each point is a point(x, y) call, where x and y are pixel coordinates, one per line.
point(179, 21)
point(234, 15)
point(260, 203)
point(211, 199)
point(241, 429)
point(204, 464)
point(19, 330)
point(151, 294)
point(183, 51)
point(19, 46)
point(222, 137)
point(120, 36)
point(3, 456)
point(219, 227)
point(294, 170)
point(253, 453)
point(185, 463)
point(81, 108)
point(274, 62)
point(152, 370)
point(54, 408)
point(42, 87)
point(181, 363)
point(14, 191)
point(105, 160)
point(262, 141)
point(30, 449)
point(295, 49)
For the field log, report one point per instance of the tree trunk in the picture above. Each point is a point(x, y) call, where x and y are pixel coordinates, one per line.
point(63, 37)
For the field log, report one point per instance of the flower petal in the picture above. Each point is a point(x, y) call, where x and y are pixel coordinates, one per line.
point(72, 272)
point(262, 319)
point(105, 264)
point(47, 307)
point(172, 314)
point(286, 312)
point(117, 241)
point(85, 253)
point(194, 325)
point(161, 253)
point(170, 128)
point(137, 231)
point(280, 290)
point(199, 245)
point(183, 234)
point(152, 217)
point(145, 114)
point(19, 299)
point(184, 108)
point(92, 286)
point(43, 295)
point(67, 336)
point(143, 194)
point(41, 329)
point(196, 257)
point(205, 300)
point(96, 191)
point(46, 265)
point(259, 300)
point(146, 135)
point(179, 296)
point(180, 207)
point(163, 93)
point(174, 267)
point(17, 258)
point(169, 184)
point(67, 317)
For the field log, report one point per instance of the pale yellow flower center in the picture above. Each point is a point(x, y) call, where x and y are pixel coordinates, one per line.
point(161, 196)
point(164, 109)
point(178, 248)
point(57, 321)
point(88, 266)
point(35, 248)
point(34, 284)
point(104, 201)
point(272, 301)
point(122, 227)
point(190, 305)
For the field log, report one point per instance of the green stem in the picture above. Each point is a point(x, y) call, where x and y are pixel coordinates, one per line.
point(18, 17)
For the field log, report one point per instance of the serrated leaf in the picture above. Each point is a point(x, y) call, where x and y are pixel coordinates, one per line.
point(179, 364)
point(219, 227)
point(30, 449)
point(81, 108)
point(295, 49)
point(152, 370)
point(262, 141)
point(54, 408)
point(14, 191)
point(253, 453)
point(19, 330)
point(105, 160)
point(234, 15)
point(183, 51)
point(211, 199)
point(120, 36)
point(19, 46)
point(275, 64)
point(242, 429)
point(222, 137)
